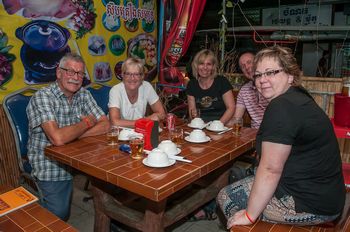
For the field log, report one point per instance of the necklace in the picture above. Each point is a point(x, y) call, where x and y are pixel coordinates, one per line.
point(132, 98)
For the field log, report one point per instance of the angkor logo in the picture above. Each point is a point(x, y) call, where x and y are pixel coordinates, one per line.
point(206, 102)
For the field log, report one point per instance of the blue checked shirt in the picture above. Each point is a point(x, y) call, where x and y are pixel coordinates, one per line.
point(50, 104)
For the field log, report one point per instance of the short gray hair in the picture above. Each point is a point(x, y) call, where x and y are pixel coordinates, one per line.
point(71, 57)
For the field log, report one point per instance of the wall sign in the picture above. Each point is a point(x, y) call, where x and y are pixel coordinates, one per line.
point(305, 15)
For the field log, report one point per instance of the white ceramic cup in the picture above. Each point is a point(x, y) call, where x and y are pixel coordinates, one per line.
point(216, 125)
point(157, 158)
point(197, 135)
point(168, 147)
point(125, 134)
point(197, 122)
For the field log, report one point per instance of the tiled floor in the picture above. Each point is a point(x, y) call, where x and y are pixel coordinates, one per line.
point(82, 214)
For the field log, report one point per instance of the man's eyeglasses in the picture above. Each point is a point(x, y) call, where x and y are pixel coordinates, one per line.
point(71, 73)
point(127, 74)
point(267, 74)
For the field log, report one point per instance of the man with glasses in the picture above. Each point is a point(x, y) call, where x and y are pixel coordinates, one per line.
point(59, 114)
point(248, 97)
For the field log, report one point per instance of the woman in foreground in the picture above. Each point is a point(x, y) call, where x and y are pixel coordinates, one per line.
point(299, 179)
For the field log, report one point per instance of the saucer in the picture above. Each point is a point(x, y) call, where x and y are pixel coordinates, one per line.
point(145, 162)
point(178, 151)
point(195, 127)
point(207, 139)
point(216, 130)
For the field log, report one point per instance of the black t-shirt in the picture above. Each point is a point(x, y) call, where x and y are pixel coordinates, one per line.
point(312, 173)
point(210, 100)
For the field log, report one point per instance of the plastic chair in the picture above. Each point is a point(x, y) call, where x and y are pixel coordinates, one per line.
point(100, 93)
point(15, 105)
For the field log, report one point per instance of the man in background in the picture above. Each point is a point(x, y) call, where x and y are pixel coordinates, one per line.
point(248, 97)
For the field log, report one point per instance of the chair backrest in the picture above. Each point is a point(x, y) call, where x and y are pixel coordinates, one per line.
point(15, 105)
point(100, 93)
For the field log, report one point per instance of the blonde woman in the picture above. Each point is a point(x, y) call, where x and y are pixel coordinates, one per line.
point(210, 93)
point(128, 100)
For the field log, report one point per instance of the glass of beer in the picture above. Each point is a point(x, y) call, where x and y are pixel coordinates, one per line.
point(237, 126)
point(177, 136)
point(136, 144)
point(112, 135)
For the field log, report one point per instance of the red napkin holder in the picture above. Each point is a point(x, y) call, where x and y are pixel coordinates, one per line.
point(150, 132)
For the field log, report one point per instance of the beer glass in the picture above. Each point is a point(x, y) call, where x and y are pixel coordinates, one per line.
point(136, 144)
point(237, 126)
point(176, 136)
point(112, 135)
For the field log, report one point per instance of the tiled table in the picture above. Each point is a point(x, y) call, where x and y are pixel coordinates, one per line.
point(93, 156)
point(32, 217)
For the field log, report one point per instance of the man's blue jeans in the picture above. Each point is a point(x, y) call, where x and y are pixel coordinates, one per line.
point(57, 197)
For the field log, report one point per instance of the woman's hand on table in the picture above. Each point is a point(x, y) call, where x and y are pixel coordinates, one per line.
point(238, 219)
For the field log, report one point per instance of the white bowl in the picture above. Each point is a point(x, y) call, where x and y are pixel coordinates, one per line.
point(157, 158)
point(216, 125)
point(197, 122)
point(197, 135)
point(168, 147)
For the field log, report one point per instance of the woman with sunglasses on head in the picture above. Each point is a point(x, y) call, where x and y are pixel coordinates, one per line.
point(128, 100)
point(299, 179)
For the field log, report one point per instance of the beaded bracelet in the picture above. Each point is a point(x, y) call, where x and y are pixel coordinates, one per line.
point(247, 215)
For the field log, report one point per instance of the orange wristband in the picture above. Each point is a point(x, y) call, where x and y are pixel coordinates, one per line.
point(247, 215)
point(87, 122)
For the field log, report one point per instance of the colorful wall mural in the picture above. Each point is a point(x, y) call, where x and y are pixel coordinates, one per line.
point(35, 34)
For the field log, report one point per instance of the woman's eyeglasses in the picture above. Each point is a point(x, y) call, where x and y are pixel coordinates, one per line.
point(71, 73)
point(267, 74)
point(127, 74)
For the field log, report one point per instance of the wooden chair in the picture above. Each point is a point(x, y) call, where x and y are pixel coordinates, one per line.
point(341, 225)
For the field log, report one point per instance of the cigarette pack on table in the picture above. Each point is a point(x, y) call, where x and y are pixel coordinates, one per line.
point(15, 199)
point(149, 129)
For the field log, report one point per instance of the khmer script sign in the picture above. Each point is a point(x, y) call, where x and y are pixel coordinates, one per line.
point(298, 15)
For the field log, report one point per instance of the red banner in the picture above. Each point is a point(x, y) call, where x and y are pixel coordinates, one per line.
point(183, 17)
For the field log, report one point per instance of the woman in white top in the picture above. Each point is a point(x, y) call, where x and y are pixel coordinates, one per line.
point(128, 100)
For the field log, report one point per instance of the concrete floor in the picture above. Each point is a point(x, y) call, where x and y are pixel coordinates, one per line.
point(82, 214)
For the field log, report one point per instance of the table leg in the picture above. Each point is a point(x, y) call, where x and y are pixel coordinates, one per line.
point(154, 216)
point(102, 221)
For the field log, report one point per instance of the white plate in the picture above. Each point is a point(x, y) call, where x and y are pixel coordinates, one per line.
point(216, 130)
point(171, 162)
point(195, 127)
point(160, 129)
point(207, 139)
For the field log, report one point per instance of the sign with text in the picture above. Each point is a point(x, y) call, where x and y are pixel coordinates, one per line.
point(299, 15)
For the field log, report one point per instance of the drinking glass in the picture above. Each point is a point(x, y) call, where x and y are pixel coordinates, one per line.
point(237, 126)
point(136, 145)
point(177, 136)
point(112, 135)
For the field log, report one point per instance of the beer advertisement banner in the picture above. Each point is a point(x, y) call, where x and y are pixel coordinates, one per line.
point(35, 34)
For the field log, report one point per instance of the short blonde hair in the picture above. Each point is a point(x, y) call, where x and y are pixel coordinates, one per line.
point(200, 57)
point(131, 61)
point(285, 58)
